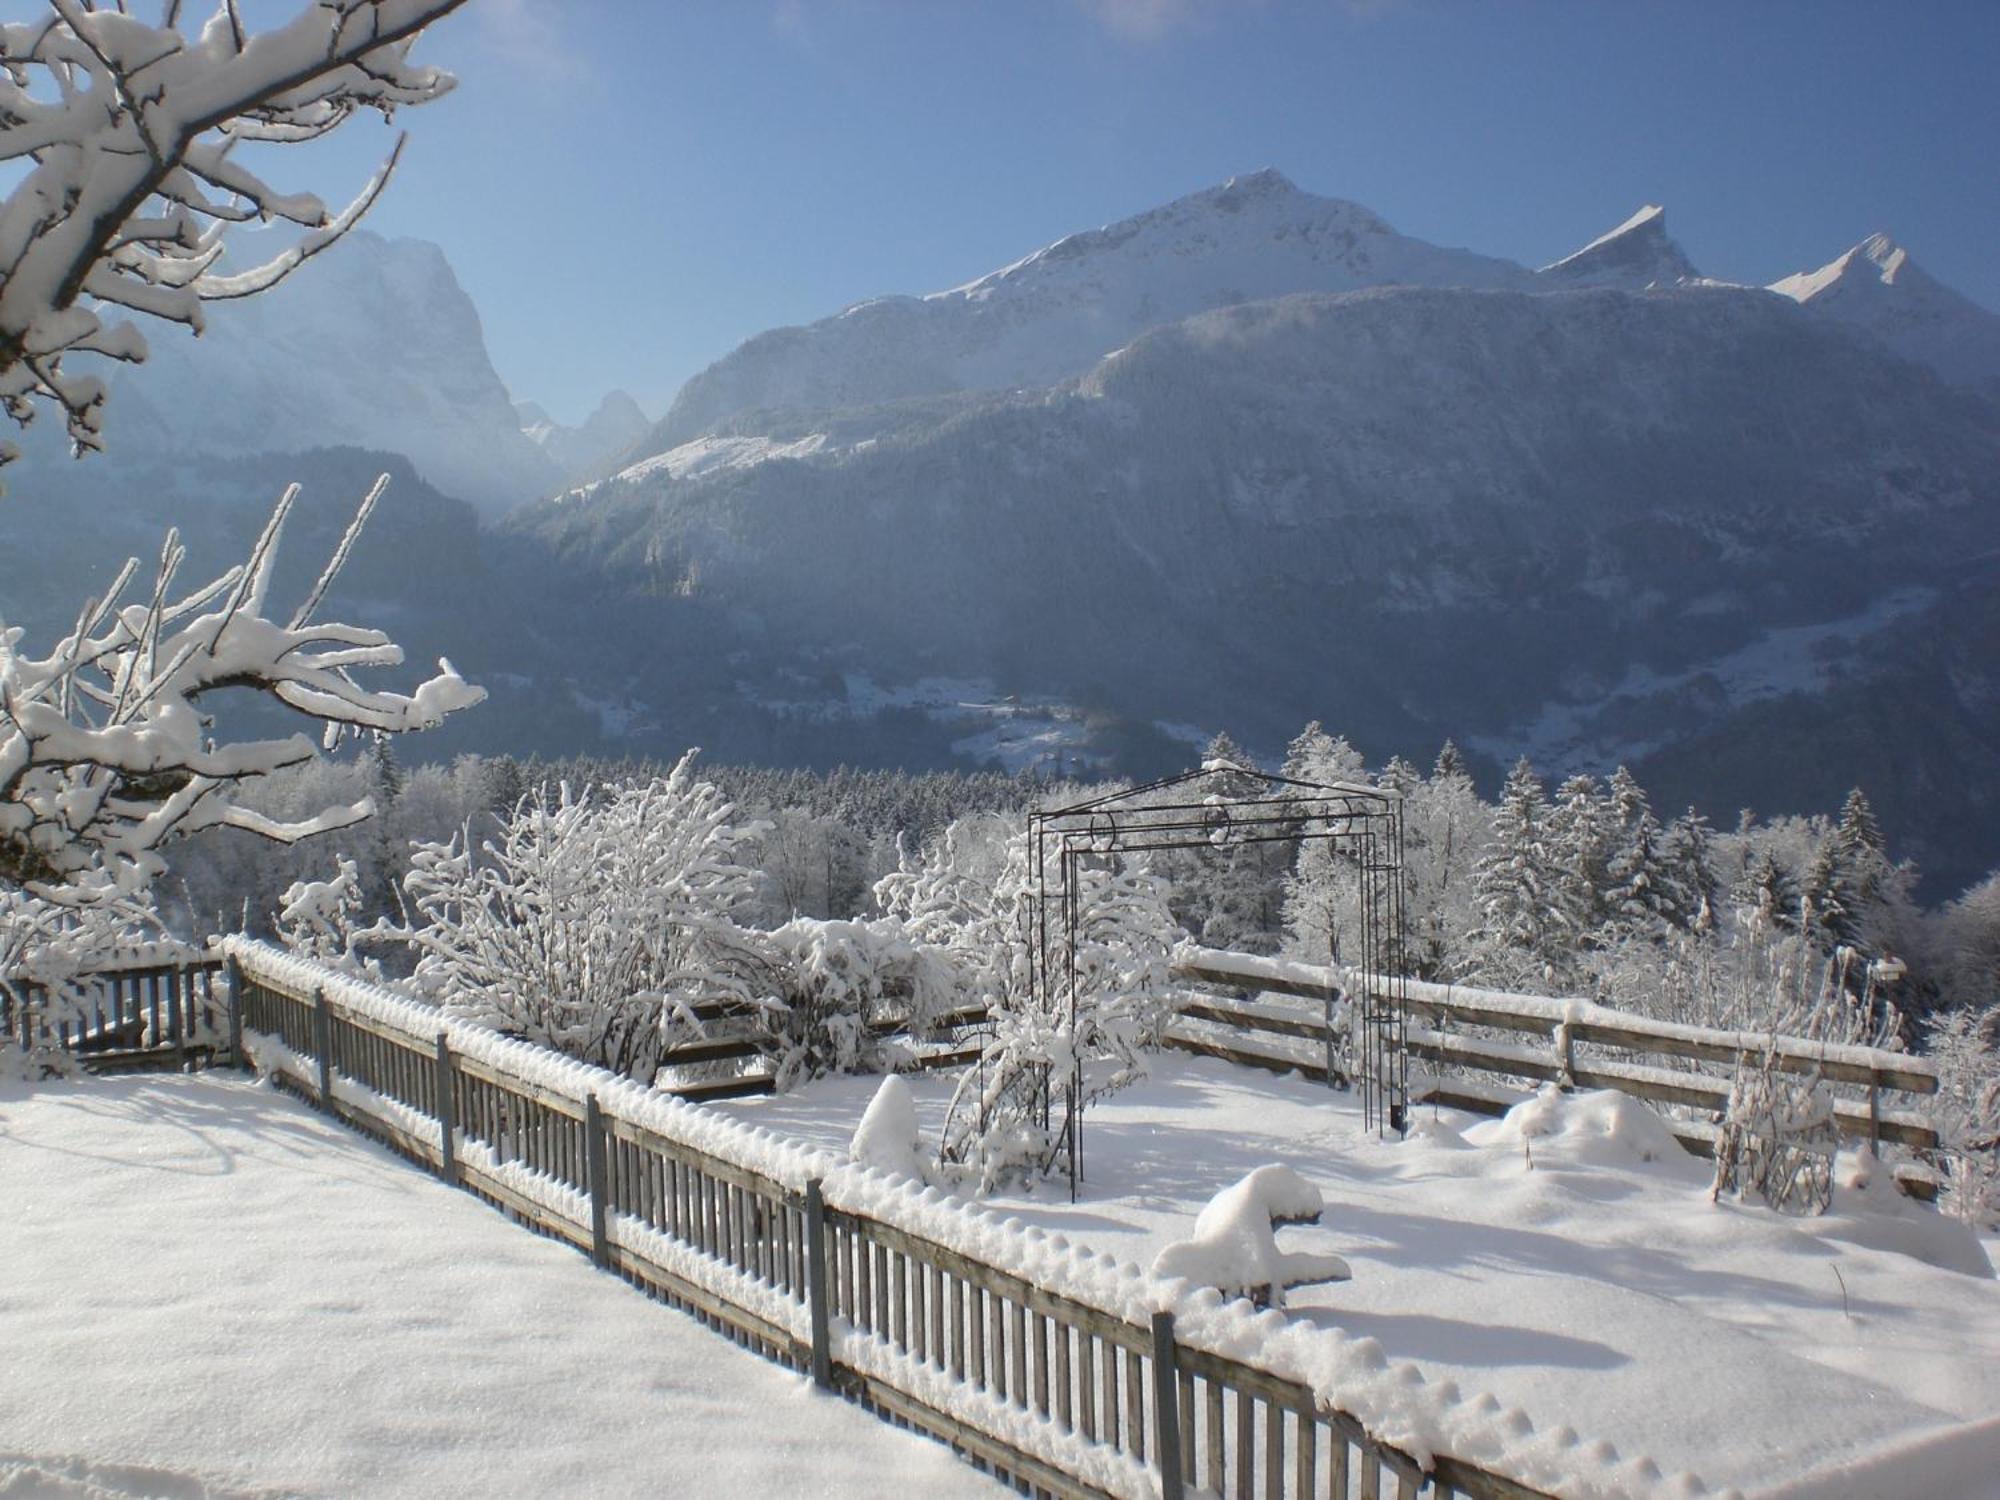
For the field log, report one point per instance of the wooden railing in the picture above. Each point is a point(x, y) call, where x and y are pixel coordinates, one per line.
point(137, 1015)
point(1576, 1044)
point(821, 1265)
point(729, 1035)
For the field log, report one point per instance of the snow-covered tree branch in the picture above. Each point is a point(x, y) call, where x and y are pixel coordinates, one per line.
point(132, 132)
point(106, 747)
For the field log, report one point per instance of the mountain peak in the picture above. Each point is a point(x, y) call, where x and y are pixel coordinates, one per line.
point(1636, 255)
point(1877, 288)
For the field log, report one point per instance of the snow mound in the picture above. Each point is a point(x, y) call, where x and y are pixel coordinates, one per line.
point(887, 1137)
point(1235, 1248)
point(1599, 1128)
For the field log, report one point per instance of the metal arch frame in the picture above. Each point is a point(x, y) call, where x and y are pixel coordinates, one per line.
point(1364, 821)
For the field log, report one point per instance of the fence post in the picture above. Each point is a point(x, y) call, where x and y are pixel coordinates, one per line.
point(1167, 1407)
point(447, 1113)
point(598, 1179)
point(1566, 1055)
point(235, 1012)
point(323, 1045)
point(816, 1288)
point(1874, 1113)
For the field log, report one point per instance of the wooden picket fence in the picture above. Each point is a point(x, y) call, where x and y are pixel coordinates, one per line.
point(1054, 1396)
point(1581, 1046)
point(137, 1016)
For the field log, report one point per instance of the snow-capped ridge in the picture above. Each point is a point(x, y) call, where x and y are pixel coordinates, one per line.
point(1637, 255)
point(1049, 316)
point(1877, 288)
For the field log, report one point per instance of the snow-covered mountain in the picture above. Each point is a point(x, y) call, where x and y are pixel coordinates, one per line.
point(1638, 254)
point(1597, 525)
point(373, 344)
point(593, 449)
point(1055, 313)
point(1878, 289)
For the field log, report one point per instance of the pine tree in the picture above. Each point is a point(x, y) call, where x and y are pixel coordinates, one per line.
point(1318, 756)
point(1767, 893)
point(1449, 763)
point(1690, 856)
point(1525, 934)
point(1580, 840)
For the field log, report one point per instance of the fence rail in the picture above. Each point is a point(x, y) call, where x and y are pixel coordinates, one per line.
point(1053, 1394)
point(1224, 1028)
point(134, 1016)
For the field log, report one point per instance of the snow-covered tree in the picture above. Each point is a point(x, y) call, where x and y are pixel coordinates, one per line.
point(107, 749)
point(322, 919)
point(593, 923)
point(1583, 840)
point(1007, 1113)
point(1965, 1045)
point(1968, 937)
point(128, 135)
point(125, 136)
point(1526, 936)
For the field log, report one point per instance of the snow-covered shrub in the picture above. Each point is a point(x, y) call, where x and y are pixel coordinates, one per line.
point(887, 1137)
point(593, 924)
point(320, 920)
point(1778, 1139)
point(1967, 1111)
point(839, 989)
point(46, 953)
point(1047, 1053)
point(1234, 1247)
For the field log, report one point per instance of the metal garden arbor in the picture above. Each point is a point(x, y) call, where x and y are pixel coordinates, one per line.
point(1224, 806)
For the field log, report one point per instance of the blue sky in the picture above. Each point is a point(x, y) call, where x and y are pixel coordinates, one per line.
point(628, 188)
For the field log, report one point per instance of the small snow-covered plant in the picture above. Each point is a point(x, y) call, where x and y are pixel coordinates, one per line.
point(1967, 1111)
point(47, 951)
point(1778, 1139)
point(593, 924)
point(841, 988)
point(319, 919)
point(888, 1138)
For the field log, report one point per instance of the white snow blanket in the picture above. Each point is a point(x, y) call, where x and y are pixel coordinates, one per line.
point(211, 1292)
point(1554, 1291)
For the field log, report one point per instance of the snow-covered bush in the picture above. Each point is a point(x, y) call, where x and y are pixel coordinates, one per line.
point(1048, 1051)
point(321, 920)
point(888, 1138)
point(1778, 1139)
point(593, 924)
point(1965, 1045)
point(839, 990)
point(46, 952)
point(1234, 1247)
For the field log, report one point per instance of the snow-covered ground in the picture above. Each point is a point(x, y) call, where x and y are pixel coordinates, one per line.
point(208, 1290)
point(1580, 1273)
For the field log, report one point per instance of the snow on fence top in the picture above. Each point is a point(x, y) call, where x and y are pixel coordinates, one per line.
point(1900, 1070)
point(1394, 1400)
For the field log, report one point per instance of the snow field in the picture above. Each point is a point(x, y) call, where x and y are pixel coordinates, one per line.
point(1552, 1294)
point(214, 1291)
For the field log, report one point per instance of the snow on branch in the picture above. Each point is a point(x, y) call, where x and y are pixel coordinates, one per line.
point(107, 752)
point(130, 132)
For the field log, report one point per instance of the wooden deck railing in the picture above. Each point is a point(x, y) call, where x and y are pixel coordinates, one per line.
point(1056, 1395)
point(136, 1015)
point(1574, 1044)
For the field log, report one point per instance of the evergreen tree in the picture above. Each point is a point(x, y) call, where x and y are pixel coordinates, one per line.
point(1580, 839)
point(1690, 856)
point(1449, 763)
point(1767, 892)
point(1525, 936)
